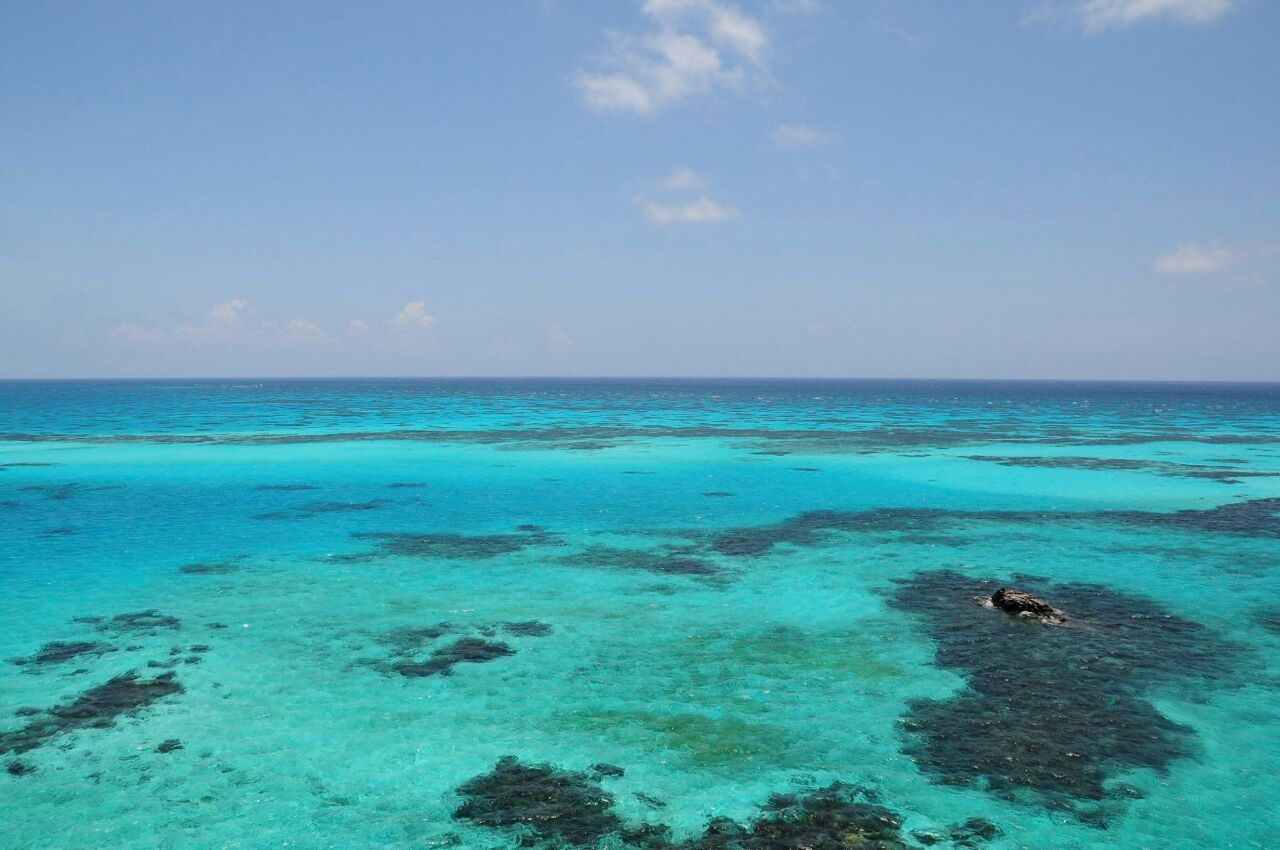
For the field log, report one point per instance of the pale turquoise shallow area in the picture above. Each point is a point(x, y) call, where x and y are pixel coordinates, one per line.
point(780, 667)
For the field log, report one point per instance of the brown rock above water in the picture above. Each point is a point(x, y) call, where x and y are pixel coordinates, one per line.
point(1023, 604)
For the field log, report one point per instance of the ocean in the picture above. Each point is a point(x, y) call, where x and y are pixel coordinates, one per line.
point(638, 613)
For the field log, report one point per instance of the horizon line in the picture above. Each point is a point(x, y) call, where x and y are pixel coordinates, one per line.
point(636, 378)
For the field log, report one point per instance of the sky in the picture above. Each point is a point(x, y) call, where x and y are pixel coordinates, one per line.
point(1064, 189)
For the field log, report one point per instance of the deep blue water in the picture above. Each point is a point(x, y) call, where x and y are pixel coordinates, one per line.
point(360, 595)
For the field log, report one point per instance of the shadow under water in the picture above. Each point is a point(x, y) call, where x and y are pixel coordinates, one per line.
point(471, 547)
point(1252, 518)
point(544, 806)
point(1225, 475)
point(57, 652)
point(661, 562)
point(96, 708)
point(1050, 715)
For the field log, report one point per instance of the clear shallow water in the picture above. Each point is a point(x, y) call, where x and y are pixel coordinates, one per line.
point(740, 589)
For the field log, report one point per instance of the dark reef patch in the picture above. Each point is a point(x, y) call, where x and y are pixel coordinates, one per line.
point(19, 768)
point(966, 834)
point(540, 803)
point(926, 539)
point(212, 568)
point(1268, 619)
point(96, 708)
point(136, 621)
point(56, 652)
point(411, 639)
point(527, 628)
point(406, 485)
point(604, 770)
point(1050, 715)
point(837, 817)
point(169, 746)
point(1253, 518)
point(810, 527)
point(467, 547)
point(545, 806)
point(442, 661)
point(406, 644)
point(315, 509)
point(974, 829)
point(649, 800)
point(1226, 475)
point(60, 531)
point(660, 563)
point(846, 438)
point(718, 494)
point(805, 469)
point(62, 492)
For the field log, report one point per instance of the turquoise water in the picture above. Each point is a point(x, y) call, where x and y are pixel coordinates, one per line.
point(363, 594)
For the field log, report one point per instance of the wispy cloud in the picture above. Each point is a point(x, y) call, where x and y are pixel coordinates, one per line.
point(1099, 15)
point(701, 211)
point(303, 330)
point(796, 136)
point(228, 313)
point(682, 179)
point(232, 322)
point(797, 7)
point(676, 203)
point(691, 47)
point(1194, 258)
point(235, 322)
point(414, 316)
point(557, 338)
point(224, 320)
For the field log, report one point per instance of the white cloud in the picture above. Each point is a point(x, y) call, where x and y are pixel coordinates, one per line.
point(739, 31)
point(1098, 15)
point(414, 316)
point(795, 136)
point(701, 211)
point(682, 179)
point(303, 330)
point(557, 338)
point(235, 323)
point(229, 323)
point(225, 320)
point(677, 205)
point(797, 7)
point(1195, 258)
point(692, 47)
point(615, 92)
point(228, 313)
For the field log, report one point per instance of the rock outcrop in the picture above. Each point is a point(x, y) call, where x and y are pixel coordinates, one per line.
point(1023, 604)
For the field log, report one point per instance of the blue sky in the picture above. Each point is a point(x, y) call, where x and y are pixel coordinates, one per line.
point(1062, 189)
